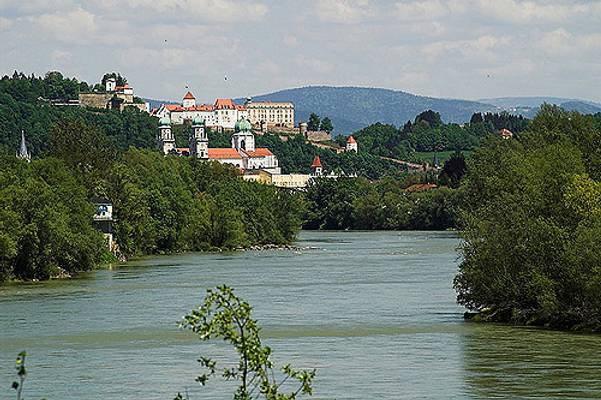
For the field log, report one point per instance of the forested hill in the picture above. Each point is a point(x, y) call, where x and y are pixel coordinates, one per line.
point(529, 106)
point(353, 108)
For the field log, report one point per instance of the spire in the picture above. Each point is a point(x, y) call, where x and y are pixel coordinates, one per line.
point(23, 153)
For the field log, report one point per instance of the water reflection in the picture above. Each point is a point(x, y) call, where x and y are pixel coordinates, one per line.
point(510, 362)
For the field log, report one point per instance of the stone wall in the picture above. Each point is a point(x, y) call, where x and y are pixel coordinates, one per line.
point(318, 136)
point(95, 100)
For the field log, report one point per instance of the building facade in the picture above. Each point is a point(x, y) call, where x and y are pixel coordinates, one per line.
point(115, 98)
point(242, 154)
point(223, 114)
point(270, 114)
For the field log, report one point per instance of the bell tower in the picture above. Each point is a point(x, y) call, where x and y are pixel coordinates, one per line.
point(243, 138)
point(199, 141)
point(165, 138)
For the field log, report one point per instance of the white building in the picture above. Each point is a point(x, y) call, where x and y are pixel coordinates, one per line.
point(243, 153)
point(351, 144)
point(224, 113)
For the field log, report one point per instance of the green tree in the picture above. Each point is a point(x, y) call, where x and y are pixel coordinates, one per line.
point(530, 219)
point(314, 122)
point(326, 125)
point(225, 316)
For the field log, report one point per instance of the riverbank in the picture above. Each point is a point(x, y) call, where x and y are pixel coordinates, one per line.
point(533, 318)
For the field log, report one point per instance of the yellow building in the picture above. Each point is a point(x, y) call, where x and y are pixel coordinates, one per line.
point(271, 114)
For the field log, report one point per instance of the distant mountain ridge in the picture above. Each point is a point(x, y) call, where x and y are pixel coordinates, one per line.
point(351, 108)
point(529, 106)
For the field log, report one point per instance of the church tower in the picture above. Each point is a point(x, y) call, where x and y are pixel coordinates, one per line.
point(165, 138)
point(199, 141)
point(243, 138)
point(23, 153)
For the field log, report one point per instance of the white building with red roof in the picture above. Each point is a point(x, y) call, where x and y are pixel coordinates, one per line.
point(351, 144)
point(224, 113)
point(243, 154)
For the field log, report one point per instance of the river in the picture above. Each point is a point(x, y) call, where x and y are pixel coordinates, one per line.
point(375, 312)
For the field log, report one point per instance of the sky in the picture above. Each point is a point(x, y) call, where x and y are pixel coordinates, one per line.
point(466, 49)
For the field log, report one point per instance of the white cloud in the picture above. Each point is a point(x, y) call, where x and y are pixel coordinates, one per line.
point(5, 23)
point(516, 11)
point(343, 11)
point(207, 11)
point(483, 46)
point(422, 10)
point(75, 26)
point(314, 65)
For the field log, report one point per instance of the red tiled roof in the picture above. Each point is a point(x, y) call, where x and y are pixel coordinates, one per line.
point(506, 133)
point(259, 152)
point(126, 86)
point(351, 139)
point(198, 107)
point(183, 149)
point(316, 162)
point(228, 104)
point(189, 96)
point(222, 153)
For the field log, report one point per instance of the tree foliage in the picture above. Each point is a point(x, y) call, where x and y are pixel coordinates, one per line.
point(225, 316)
point(314, 122)
point(389, 204)
point(45, 220)
point(532, 227)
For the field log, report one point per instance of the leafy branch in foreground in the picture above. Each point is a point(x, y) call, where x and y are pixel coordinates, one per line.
point(21, 373)
point(225, 316)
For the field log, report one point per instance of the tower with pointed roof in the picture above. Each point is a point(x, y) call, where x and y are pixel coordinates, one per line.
point(316, 167)
point(351, 144)
point(23, 153)
point(243, 138)
point(165, 138)
point(199, 141)
point(189, 100)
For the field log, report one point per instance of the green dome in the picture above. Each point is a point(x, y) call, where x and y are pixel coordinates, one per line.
point(165, 121)
point(198, 120)
point(244, 125)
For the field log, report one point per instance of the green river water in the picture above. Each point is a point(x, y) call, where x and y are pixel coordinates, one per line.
point(373, 311)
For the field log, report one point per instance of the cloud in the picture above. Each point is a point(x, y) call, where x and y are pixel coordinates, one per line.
point(314, 65)
point(5, 23)
point(483, 46)
point(561, 42)
point(343, 11)
point(206, 11)
point(514, 11)
point(74, 26)
point(421, 10)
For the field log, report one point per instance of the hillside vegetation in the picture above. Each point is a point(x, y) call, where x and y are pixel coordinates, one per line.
point(531, 220)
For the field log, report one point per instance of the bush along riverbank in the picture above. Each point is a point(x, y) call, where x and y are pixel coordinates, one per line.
point(161, 205)
point(531, 222)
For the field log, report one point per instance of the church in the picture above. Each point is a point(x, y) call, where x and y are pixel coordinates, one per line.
point(243, 153)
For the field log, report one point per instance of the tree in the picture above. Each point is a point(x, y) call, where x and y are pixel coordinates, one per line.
point(121, 80)
point(225, 316)
point(476, 118)
point(453, 170)
point(314, 122)
point(431, 117)
point(326, 125)
point(531, 223)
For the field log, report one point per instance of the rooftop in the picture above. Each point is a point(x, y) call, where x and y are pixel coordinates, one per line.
point(223, 153)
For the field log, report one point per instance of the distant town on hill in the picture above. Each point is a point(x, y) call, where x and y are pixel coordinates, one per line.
point(353, 108)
